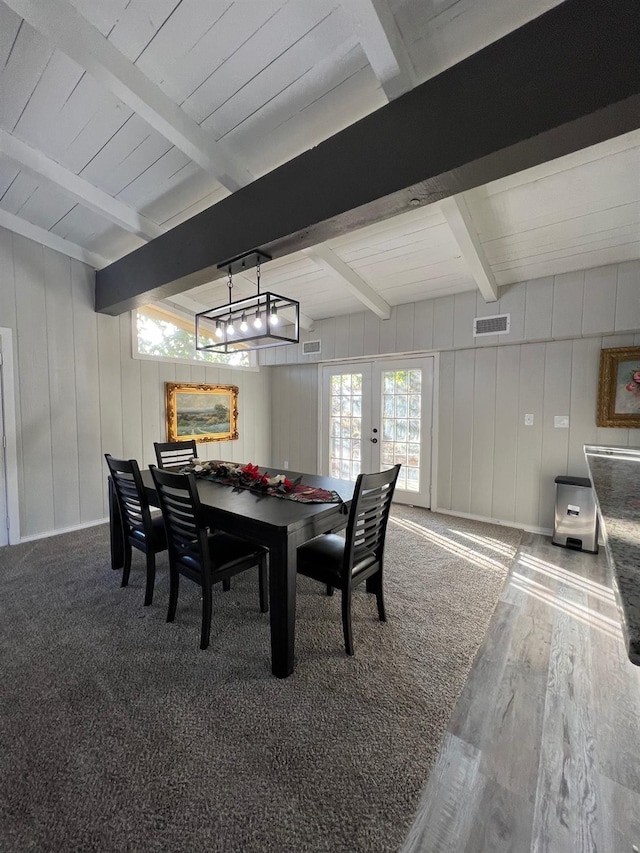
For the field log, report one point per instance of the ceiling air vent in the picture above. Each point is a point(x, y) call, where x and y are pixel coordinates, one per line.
point(310, 347)
point(497, 325)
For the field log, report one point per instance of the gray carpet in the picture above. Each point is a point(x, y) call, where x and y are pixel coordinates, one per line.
point(118, 734)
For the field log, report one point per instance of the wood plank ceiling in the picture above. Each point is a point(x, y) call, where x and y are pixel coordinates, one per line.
point(120, 119)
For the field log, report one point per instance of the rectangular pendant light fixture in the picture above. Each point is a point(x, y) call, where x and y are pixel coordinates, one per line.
point(256, 322)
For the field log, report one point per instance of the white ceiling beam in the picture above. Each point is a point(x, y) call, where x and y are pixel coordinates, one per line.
point(326, 258)
point(78, 188)
point(61, 24)
point(459, 220)
point(52, 241)
point(383, 45)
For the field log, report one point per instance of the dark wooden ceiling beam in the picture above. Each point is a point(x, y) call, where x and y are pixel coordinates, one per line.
point(566, 80)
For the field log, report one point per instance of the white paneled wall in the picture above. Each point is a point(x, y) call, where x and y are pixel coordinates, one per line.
point(79, 392)
point(489, 464)
point(294, 414)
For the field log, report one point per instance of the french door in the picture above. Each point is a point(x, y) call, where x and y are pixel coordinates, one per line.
point(376, 414)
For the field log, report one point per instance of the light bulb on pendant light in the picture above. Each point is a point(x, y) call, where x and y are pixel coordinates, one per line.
point(230, 327)
point(258, 321)
point(273, 319)
point(218, 329)
point(243, 323)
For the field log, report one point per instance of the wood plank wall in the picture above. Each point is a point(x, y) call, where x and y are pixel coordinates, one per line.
point(294, 410)
point(489, 464)
point(79, 392)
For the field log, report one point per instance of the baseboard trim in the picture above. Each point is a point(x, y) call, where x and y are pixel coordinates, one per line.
point(530, 528)
point(62, 530)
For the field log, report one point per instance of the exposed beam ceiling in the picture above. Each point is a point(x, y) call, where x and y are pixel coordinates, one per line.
point(459, 220)
point(78, 188)
point(383, 45)
point(570, 213)
point(385, 50)
point(96, 54)
point(70, 32)
point(52, 241)
point(534, 95)
point(336, 267)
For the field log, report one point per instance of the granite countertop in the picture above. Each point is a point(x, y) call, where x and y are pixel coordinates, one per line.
point(615, 474)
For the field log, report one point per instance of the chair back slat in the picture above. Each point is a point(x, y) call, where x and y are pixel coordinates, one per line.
point(184, 522)
point(173, 453)
point(130, 493)
point(369, 515)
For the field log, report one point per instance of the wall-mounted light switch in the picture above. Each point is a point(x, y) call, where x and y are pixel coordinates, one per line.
point(285, 464)
point(528, 420)
point(561, 421)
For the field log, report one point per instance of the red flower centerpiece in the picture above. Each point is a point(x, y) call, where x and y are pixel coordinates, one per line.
point(246, 476)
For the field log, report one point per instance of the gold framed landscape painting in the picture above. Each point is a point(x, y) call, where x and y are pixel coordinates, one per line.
point(202, 412)
point(619, 388)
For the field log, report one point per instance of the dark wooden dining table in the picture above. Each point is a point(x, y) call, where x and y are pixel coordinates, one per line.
point(279, 524)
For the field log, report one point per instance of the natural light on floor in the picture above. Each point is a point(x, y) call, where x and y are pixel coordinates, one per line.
point(569, 578)
point(449, 545)
point(486, 542)
point(557, 598)
point(550, 573)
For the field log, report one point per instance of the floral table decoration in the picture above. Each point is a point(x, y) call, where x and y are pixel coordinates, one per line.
point(249, 476)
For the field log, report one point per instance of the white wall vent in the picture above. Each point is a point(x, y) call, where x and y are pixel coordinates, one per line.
point(499, 324)
point(310, 347)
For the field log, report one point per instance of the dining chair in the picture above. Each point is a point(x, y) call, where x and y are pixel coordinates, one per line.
point(141, 529)
point(343, 563)
point(173, 453)
point(170, 453)
point(199, 555)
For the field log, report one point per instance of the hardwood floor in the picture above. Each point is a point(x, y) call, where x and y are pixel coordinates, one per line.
point(542, 752)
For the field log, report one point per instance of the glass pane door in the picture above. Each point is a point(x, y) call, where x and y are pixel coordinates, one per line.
point(402, 405)
point(345, 426)
point(401, 424)
point(378, 414)
point(345, 420)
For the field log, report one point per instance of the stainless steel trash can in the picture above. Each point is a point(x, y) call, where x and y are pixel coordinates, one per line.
point(576, 520)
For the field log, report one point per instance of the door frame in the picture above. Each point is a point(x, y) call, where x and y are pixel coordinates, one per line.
point(8, 402)
point(435, 419)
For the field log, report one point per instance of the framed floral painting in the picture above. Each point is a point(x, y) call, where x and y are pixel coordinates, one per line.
point(619, 387)
point(203, 412)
